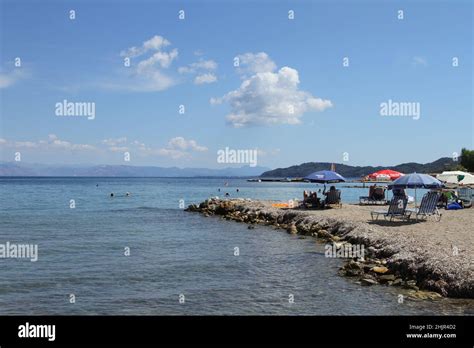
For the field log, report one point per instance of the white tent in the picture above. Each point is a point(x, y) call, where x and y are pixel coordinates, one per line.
point(454, 176)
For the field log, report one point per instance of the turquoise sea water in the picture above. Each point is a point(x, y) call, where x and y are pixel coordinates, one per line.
point(172, 253)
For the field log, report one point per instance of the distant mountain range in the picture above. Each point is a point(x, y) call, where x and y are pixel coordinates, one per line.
point(29, 169)
point(304, 169)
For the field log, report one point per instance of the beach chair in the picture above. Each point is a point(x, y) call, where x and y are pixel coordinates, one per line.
point(377, 198)
point(465, 194)
point(396, 209)
point(333, 198)
point(428, 206)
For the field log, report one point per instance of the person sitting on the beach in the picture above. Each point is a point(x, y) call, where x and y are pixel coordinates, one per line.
point(378, 193)
point(400, 192)
point(332, 188)
point(311, 198)
point(305, 196)
point(371, 191)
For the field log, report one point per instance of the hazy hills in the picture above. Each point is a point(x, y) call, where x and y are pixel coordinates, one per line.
point(28, 169)
point(348, 171)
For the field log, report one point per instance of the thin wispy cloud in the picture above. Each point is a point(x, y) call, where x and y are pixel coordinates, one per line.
point(202, 70)
point(268, 97)
point(176, 148)
point(419, 61)
point(9, 78)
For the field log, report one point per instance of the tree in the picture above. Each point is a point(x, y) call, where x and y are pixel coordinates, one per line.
point(467, 159)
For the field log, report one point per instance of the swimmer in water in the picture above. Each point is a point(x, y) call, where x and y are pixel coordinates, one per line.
point(111, 194)
point(237, 190)
point(127, 194)
point(227, 194)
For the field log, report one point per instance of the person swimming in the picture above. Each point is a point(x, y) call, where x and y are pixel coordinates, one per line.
point(127, 194)
point(237, 190)
point(111, 194)
point(227, 194)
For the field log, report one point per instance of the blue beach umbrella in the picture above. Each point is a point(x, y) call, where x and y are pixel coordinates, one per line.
point(325, 177)
point(416, 180)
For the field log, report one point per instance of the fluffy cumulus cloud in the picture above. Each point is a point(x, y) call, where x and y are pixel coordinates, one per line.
point(179, 147)
point(202, 70)
point(149, 64)
point(254, 63)
point(267, 96)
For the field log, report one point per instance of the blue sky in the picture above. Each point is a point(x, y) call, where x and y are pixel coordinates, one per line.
point(291, 97)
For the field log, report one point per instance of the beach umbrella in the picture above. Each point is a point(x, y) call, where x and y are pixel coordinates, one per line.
point(325, 177)
point(416, 180)
point(386, 174)
point(456, 177)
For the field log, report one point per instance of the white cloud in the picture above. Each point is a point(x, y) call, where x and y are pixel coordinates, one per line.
point(267, 97)
point(203, 71)
point(419, 61)
point(150, 73)
point(52, 143)
point(179, 147)
point(254, 63)
point(176, 148)
point(205, 78)
point(156, 43)
point(8, 79)
point(114, 141)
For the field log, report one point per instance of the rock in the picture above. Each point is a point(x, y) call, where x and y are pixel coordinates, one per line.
point(324, 234)
point(397, 282)
point(386, 278)
point(380, 270)
point(354, 265)
point(336, 238)
point(424, 295)
point(251, 227)
point(410, 284)
point(367, 281)
point(350, 272)
point(292, 229)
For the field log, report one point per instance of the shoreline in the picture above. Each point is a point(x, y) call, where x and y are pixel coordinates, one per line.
point(396, 253)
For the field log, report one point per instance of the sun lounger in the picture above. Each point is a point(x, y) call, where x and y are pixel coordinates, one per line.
point(377, 198)
point(428, 206)
point(333, 198)
point(396, 209)
point(465, 194)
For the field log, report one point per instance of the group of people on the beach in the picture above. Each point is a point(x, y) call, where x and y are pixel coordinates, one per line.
point(311, 197)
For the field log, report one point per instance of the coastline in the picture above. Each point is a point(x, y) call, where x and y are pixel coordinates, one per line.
point(432, 259)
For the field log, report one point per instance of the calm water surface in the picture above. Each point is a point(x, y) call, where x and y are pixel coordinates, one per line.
point(172, 252)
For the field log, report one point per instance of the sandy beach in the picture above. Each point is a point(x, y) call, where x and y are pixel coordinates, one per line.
point(434, 256)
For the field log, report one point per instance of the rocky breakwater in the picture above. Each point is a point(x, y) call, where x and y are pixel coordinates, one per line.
point(385, 261)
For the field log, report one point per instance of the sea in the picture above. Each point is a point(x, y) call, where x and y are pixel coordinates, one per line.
point(142, 254)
